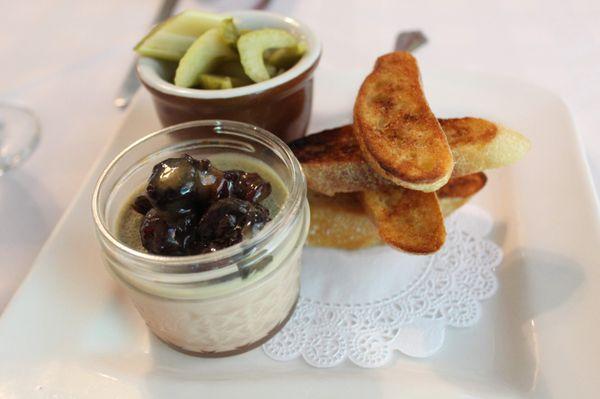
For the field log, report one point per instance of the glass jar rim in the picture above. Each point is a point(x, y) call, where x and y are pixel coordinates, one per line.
point(290, 209)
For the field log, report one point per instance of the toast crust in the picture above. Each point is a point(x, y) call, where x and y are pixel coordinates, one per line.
point(331, 145)
point(408, 220)
point(396, 131)
point(340, 221)
point(463, 131)
point(463, 187)
point(333, 163)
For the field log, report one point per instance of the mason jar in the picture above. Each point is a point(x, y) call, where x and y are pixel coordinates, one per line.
point(220, 303)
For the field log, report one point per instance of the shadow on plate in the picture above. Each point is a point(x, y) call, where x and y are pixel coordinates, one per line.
point(501, 353)
point(24, 206)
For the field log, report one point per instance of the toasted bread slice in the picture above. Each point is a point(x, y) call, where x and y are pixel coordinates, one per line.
point(406, 219)
point(459, 191)
point(332, 161)
point(344, 227)
point(398, 134)
point(340, 221)
point(463, 187)
point(478, 144)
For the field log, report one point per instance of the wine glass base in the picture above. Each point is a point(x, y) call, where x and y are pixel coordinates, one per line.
point(19, 135)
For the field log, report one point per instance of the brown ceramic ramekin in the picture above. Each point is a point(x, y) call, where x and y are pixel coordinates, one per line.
point(281, 105)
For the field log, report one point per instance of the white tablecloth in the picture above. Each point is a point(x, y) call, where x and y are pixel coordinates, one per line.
point(66, 59)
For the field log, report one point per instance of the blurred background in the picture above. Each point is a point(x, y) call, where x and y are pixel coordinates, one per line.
point(66, 59)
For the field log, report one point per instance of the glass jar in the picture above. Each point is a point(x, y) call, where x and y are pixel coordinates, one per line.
point(221, 303)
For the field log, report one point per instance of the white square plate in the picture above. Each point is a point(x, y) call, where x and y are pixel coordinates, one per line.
point(70, 333)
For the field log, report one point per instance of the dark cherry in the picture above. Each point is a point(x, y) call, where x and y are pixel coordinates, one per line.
point(244, 185)
point(191, 207)
point(141, 204)
point(227, 222)
point(173, 185)
point(165, 234)
point(211, 181)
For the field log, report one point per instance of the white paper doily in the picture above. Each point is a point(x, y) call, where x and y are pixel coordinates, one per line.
point(362, 305)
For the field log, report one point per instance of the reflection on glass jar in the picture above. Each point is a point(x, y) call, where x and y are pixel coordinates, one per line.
point(228, 301)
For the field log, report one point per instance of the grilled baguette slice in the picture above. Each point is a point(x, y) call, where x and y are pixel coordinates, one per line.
point(397, 132)
point(463, 187)
point(332, 161)
point(478, 144)
point(408, 220)
point(340, 221)
point(459, 191)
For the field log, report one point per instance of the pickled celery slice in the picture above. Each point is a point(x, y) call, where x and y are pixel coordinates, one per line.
point(285, 58)
point(170, 39)
point(202, 56)
point(252, 45)
point(214, 82)
point(229, 31)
